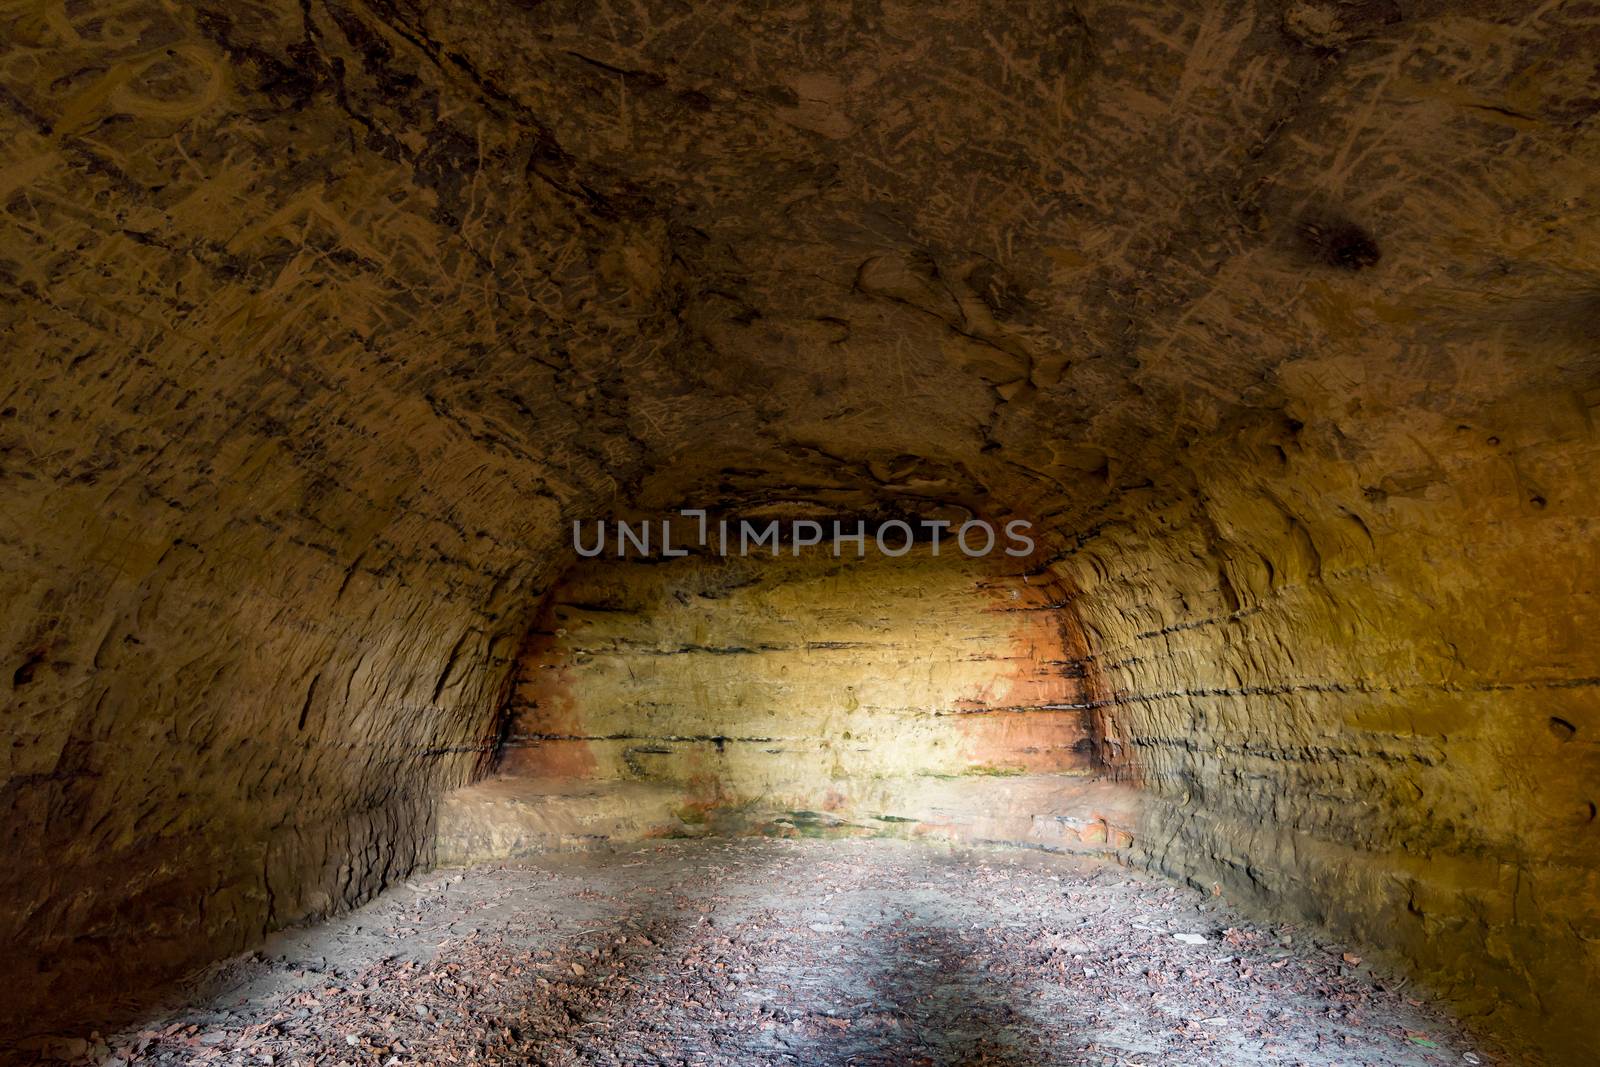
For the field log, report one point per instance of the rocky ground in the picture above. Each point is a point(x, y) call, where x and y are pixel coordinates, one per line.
point(767, 951)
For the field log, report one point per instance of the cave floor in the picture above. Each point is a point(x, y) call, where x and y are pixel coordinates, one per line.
point(772, 951)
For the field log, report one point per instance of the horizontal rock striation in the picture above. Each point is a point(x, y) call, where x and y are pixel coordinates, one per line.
point(791, 681)
point(1357, 685)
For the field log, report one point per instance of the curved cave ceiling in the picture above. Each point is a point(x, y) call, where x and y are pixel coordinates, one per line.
point(871, 253)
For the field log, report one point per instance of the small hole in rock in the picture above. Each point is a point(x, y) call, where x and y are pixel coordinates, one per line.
point(24, 674)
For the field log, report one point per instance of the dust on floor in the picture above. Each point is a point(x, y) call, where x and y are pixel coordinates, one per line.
point(762, 951)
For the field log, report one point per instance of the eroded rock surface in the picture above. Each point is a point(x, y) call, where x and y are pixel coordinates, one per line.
point(786, 679)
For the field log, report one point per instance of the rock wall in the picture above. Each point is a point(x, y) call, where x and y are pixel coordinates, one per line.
point(267, 554)
point(223, 721)
point(795, 682)
point(1355, 673)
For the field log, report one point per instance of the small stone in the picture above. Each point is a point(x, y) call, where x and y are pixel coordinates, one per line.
point(62, 1048)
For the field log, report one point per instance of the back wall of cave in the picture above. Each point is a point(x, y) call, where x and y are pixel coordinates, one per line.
point(798, 681)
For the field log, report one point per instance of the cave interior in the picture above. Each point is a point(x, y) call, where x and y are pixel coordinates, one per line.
point(333, 328)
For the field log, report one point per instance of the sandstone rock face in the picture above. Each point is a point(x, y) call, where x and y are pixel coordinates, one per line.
point(321, 320)
point(1356, 679)
point(788, 681)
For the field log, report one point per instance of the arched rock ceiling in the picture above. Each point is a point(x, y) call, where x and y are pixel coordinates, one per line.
point(1013, 256)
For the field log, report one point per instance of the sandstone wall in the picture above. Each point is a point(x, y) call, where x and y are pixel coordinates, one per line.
point(793, 681)
point(266, 556)
point(221, 722)
point(1356, 673)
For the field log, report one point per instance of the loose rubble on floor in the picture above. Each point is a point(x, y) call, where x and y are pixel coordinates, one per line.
point(771, 951)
